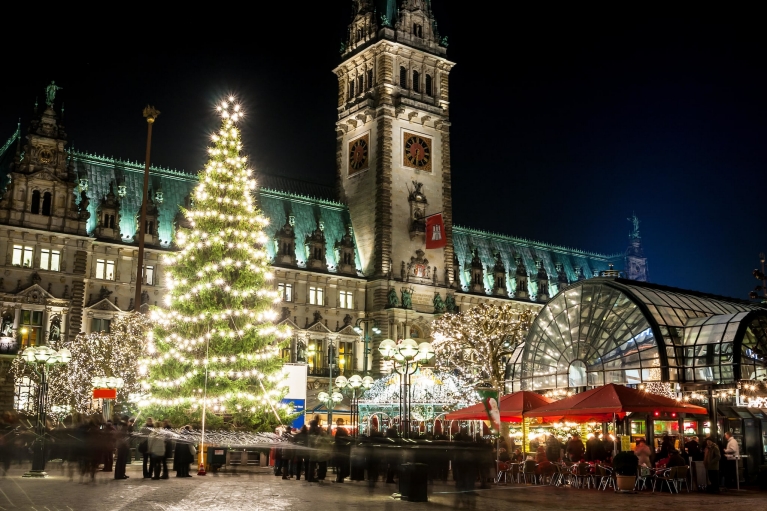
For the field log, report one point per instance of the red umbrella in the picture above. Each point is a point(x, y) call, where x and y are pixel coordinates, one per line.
point(512, 406)
point(603, 404)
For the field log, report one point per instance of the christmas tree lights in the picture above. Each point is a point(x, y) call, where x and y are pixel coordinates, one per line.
point(477, 343)
point(215, 347)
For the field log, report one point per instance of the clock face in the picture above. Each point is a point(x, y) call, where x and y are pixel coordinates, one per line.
point(358, 154)
point(417, 152)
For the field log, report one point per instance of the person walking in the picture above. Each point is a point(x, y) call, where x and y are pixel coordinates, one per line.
point(123, 450)
point(731, 453)
point(144, 449)
point(642, 451)
point(711, 458)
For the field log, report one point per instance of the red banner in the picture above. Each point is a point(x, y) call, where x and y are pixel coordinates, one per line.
point(104, 393)
point(435, 231)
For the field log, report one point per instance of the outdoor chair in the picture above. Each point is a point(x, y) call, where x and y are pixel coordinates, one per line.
point(642, 474)
point(516, 472)
point(606, 479)
point(666, 476)
point(546, 472)
point(681, 477)
point(556, 477)
point(529, 471)
point(503, 469)
point(582, 475)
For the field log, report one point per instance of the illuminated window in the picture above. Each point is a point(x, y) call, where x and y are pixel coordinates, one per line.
point(149, 275)
point(285, 291)
point(31, 328)
point(22, 256)
point(345, 358)
point(316, 296)
point(346, 300)
point(50, 259)
point(100, 325)
point(105, 269)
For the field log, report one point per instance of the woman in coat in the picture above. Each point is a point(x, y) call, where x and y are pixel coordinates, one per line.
point(182, 457)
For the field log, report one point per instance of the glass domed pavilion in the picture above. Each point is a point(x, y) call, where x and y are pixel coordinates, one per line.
point(611, 330)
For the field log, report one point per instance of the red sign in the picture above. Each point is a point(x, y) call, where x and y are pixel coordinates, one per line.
point(104, 393)
point(435, 232)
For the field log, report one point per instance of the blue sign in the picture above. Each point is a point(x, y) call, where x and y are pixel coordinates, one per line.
point(299, 406)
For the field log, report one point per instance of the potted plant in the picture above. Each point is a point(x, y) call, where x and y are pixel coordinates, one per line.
point(625, 465)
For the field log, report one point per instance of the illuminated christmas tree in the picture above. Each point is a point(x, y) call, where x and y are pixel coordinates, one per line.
point(216, 344)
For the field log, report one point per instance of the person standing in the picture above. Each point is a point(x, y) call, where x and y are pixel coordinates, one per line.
point(342, 450)
point(642, 451)
point(143, 447)
point(576, 449)
point(156, 449)
point(711, 460)
point(123, 450)
point(595, 449)
point(732, 453)
point(108, 437)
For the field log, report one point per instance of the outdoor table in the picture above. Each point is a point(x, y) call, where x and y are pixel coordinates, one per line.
point(737, 474)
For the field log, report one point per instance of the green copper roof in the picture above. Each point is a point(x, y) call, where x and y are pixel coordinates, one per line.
point(489, 244)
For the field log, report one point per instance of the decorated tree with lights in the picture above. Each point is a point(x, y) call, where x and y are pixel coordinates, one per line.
point(478, 343)
point(111, 354)
point(215, 348)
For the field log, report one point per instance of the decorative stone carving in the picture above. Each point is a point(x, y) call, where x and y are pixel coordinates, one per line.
point(418, 270)
point(345, 253)
point(285, 239)
point(521, 291)
point(439, 304)
point(456, 283)
point(450, 305)
point(562, 281)
point(407, 297)
point(418, 204)
point(315, 248)
point(152, 226)
point(108, 216)
point(477, 284)
point(499, 277)
point(543, 284)
point(393, 300)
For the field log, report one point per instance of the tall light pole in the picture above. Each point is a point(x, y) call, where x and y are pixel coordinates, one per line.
point(106, 388)
point(41, 359)
point(151, 114)
point(363, 327)
point(407, 356)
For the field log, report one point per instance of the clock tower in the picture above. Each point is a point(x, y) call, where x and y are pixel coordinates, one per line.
point(393, 138)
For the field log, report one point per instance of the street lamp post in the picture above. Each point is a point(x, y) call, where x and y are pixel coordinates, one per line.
point(330, 400)
point(358, 385)
point(407, 355)
point(41, 359)
point(106, 388)
point(363, 327)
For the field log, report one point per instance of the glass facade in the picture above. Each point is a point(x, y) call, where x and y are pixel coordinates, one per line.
point(609, 330)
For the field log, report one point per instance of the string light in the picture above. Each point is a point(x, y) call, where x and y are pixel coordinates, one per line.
point(219, 324)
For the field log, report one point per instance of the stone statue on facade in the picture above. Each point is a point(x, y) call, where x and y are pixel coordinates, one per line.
point(55, 335)
point(393, 300)
point(50, 93)
point(450, 304)
point(407, 298)
point(439, 304)
point(634, 234)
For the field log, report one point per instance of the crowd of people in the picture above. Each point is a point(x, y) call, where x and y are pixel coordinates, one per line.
point(94, 444)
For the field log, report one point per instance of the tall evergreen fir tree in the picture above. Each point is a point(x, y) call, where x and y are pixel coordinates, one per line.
point(216, 342)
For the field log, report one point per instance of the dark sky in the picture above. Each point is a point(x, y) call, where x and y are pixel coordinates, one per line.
point(563, 123)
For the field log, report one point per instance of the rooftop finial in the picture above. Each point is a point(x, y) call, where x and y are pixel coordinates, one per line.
point(634, 234)
point(50, 93)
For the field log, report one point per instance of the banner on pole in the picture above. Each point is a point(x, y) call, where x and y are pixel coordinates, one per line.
point(104, 393)
point(296, 378)
point(435, 232)
point(490, 400)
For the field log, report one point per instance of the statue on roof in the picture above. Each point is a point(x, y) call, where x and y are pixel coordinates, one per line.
point(50, 93)
point(634, 234)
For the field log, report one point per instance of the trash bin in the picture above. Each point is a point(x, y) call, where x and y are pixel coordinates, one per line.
point(216, 458)
point(413, 479)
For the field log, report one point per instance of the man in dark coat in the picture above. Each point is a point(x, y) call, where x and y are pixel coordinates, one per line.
point(341, 451)
point(575, 449)
point(595, 449)
point(553, 448)
point(123, 450)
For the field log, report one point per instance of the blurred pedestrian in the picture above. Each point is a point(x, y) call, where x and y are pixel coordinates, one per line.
point(123, 449)
point(341, 451)
point(576, 449)
point(183, 454)
point(156, 449)
point(108, 446)
point(144, 449)
point(711, 458)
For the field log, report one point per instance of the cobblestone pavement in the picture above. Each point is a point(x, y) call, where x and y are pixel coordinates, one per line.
point(263, 492)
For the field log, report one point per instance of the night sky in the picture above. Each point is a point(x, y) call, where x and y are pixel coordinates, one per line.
point(563, 123)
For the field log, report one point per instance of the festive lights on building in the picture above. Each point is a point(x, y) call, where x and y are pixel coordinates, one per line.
point(216, 345)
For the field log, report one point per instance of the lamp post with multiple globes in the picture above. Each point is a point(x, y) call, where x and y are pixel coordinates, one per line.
point(330, 400)
point(407, 356)
point(358, 385)
point(41, 359)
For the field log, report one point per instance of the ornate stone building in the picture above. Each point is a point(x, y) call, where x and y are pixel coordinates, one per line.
point(347, 258)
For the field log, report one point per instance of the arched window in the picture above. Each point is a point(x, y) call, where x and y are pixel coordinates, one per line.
point(403, 77)
point(360, 83)
point(150, 227)
point(35, 202)
point(47, 204)
point(351, 88)
point(370, 79)
point(416, 81)
point(417, 30)
point(429, 91)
